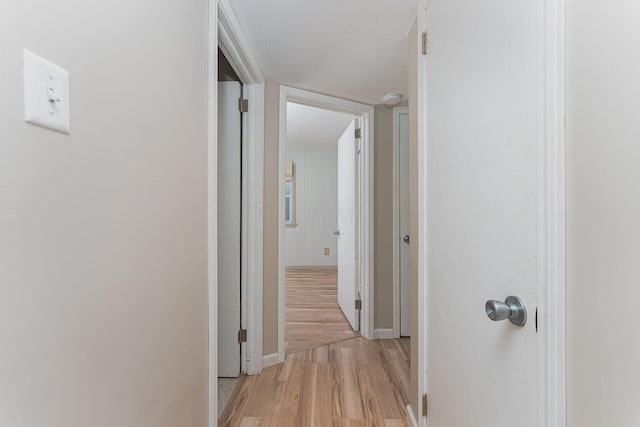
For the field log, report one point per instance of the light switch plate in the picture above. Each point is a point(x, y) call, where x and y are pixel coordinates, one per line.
point(46, 93)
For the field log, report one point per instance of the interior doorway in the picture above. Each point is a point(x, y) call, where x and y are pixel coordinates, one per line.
point(320, 244)
point(325, 218)
point(231, 229)
point(228, 47)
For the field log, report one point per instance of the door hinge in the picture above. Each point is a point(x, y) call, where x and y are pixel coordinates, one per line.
point(424, 405)
point(358, 304)
point(243, 105)
point(425, 42)
point(358, 133)
point(242, 335)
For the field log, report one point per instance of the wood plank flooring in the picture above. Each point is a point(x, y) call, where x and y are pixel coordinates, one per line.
point(312, 314)
point(351, 383)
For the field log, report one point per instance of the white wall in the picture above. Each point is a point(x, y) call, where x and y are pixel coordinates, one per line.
point(603, 213)
point(103, 295)
point(316, 169)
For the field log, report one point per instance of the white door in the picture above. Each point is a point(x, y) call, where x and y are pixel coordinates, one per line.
point(483, 142)
point(403, 223)
point(229, 227)
point(347, 214)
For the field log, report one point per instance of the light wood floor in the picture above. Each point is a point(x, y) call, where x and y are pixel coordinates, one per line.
point(351, 383)
point(312, 314)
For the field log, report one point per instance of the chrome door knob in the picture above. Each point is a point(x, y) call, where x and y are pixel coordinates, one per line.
point(406, 239)
point(336, 233)
point(512, 308)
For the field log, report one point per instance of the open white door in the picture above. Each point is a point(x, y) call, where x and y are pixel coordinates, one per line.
point(347, 214)
point(229, 226)
point(486, 218)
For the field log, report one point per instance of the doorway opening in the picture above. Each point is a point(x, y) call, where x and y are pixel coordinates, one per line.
point(231, 230)
point(235, 253)
point(326, 198)
point(320, 191)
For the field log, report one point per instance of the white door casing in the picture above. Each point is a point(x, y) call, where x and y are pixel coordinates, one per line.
point(229, 227)
point(493, 210)
point(347, 223)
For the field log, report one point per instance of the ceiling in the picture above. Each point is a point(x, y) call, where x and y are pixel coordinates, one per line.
point(353, 49)
point(314, 126)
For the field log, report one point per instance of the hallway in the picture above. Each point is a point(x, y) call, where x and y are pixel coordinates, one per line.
point(312, 314)
point(352, 383)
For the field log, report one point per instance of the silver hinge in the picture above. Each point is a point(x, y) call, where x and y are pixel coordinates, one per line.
point(243, 105)
point(425, 42)
point(424, 405)
point(242, 335)
point(358, 133)
point(358, 304)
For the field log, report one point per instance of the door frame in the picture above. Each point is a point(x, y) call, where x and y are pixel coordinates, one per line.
point(551, 193)
point(421, 330)
point(397, 111)
point(225, 32)
point(233, 44)
point(551, 215)
point(364, 271)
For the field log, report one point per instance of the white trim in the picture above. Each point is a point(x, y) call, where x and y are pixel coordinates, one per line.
point(212, 215)
point(383, 334)
point(244, 235)
point(235, 46)
point(412, 417)
point(282, 162)
point(365, 269)
point(254, 262)
point(225, 30)
point(397, 111)
point(270, 360)
point(421, 333)
point(396, 224)
point(551, 190)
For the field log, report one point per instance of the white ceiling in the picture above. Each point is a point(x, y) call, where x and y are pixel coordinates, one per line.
point(314, 126)
point(354, 49)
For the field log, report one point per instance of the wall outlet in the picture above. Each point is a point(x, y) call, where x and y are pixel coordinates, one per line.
point(326, 251)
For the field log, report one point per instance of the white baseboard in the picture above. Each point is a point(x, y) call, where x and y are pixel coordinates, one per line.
point(382, 334)
point(270, 360)
point(412, 417)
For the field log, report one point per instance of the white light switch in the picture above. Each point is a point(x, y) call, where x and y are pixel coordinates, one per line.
point(46, 93)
